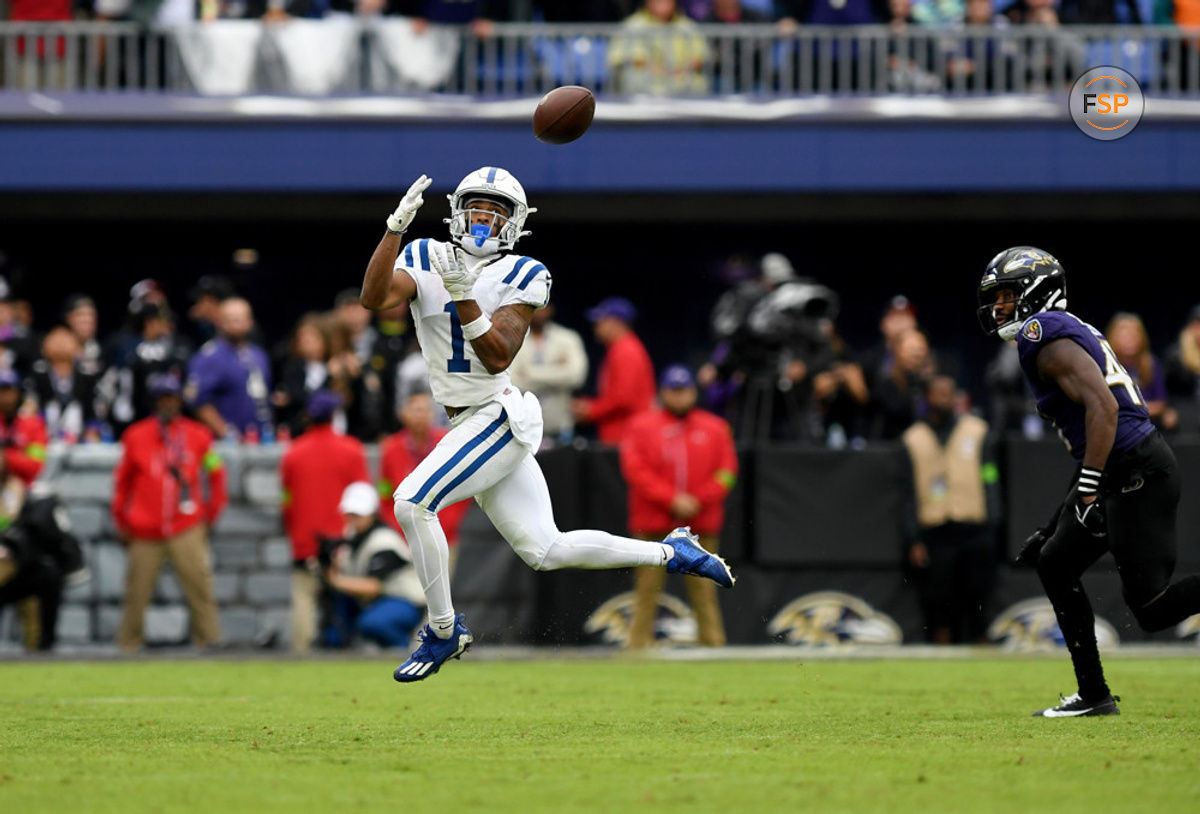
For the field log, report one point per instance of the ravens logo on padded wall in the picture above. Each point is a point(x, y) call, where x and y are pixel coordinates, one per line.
point(674, 623)
point(833, 618)
point(1189, 627)
point(1031, 625)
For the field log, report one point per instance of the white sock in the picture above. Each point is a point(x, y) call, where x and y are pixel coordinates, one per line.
point(443, 629)
point(431, 558)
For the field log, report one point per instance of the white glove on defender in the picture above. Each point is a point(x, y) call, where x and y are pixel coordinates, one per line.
point(399, 220)
point(447, 261)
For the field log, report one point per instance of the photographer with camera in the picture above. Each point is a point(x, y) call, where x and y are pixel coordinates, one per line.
point(39, 557)
point(773, 338)
point(376, 592)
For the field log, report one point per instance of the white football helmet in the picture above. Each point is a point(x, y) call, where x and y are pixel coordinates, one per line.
point(493, 184)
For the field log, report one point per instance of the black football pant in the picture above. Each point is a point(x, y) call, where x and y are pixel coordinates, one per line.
point(1140, 495)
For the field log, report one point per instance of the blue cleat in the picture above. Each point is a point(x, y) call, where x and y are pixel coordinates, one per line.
point(690, 558)
point(434, 652)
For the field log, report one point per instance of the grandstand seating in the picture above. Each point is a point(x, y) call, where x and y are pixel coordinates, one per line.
point(239, 56)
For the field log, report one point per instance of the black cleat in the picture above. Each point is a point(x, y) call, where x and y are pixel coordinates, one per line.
point(1075, 707)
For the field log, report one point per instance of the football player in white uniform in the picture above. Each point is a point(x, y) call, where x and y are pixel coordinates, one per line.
point(472, 300)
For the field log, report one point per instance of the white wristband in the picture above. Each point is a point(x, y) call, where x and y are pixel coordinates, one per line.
point(1089, 480)
point(477, 328)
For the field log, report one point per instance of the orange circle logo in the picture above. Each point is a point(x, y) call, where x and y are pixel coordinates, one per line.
point(1106, 103)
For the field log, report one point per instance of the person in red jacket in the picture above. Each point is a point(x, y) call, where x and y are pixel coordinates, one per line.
point(315, 470)
point(679, 463)
point(23, 434)
point(625, 386)
point(400, 455)
point(161, 509)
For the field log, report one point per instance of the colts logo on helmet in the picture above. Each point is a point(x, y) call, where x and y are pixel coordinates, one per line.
point(1189, 627)
point(1031, 625)
point(1029, 259)
point(674, 621)
point(833, 618)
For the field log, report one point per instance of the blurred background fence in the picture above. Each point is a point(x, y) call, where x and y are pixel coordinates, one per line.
point(345, 56)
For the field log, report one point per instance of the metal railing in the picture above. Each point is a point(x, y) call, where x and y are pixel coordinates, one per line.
point(704, 60)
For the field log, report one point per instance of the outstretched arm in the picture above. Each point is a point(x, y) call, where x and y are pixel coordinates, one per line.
point(385, 286)
point(497, 347)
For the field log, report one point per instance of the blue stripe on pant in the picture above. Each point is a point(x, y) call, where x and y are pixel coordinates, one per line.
point(456, 459)
point(470, 470)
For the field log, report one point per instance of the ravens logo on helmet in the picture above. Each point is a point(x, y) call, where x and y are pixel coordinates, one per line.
point(1032, 281)
point(1189, 627)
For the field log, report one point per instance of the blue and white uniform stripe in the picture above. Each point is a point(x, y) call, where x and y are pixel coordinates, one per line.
point(464, 463)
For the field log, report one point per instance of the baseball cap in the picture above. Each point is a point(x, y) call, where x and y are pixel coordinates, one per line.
point(618, 307)
point(164, 384)
point(346, 296)
point(676, 377)
point(145, 289)
point(360, 498)
point(211, 285)
point(9, 378)
point(77, 301)
point(776, 268)
point(143, 293)
point(900, 303)
point(322, 404)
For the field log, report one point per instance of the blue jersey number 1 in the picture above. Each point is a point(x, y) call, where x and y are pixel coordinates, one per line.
point(458, 363)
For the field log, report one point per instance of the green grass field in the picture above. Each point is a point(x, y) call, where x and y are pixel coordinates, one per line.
point(593, 735)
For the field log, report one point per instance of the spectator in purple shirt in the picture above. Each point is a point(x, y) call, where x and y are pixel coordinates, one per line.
point(229, 380)
point(1126, 333)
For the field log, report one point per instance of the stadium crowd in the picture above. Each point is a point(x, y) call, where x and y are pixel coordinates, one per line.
point(479, 14)
point(777, 369)
point(654, 47)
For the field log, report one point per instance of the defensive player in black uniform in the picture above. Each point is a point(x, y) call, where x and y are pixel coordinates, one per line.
point(1127, 486)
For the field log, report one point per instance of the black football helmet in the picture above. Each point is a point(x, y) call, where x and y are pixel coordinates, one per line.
point(1034, 276)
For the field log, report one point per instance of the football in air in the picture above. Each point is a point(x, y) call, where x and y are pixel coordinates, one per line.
point(564, 114)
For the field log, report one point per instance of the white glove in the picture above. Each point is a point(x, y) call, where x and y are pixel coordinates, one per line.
point(399, 220)
point(447, 261)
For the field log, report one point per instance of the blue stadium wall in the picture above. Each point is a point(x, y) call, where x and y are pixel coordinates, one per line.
point(680, 157)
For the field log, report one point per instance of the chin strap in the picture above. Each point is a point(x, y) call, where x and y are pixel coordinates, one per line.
point(1009, 330)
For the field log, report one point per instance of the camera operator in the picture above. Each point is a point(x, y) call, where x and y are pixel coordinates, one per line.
point(376, 592)
point(39, 557)
point(771, 345)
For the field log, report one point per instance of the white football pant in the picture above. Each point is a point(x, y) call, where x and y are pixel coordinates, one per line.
point(480, 458)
